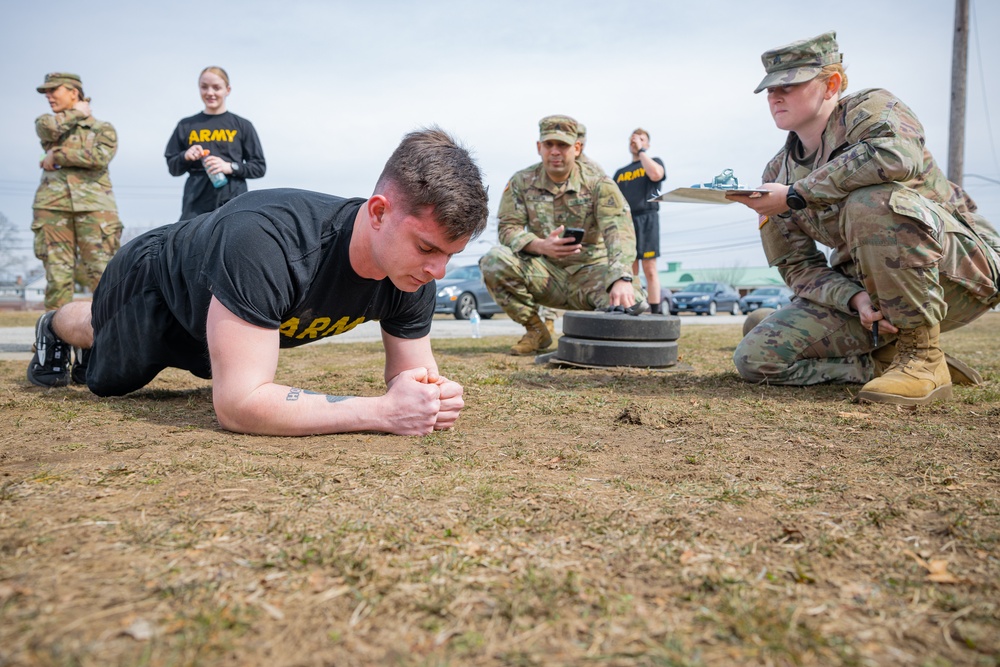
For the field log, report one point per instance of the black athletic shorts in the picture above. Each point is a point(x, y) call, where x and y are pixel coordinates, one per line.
point(135, 334)
point(647, 234)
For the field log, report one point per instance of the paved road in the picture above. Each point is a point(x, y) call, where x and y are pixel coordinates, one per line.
point(15, 342)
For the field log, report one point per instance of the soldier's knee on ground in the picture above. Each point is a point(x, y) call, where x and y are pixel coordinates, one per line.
point(755, 359)
point(747, 365)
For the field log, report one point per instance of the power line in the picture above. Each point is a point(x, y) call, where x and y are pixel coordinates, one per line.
point(985, 178)
point(982, 85)
point(128, 186)
point(703, 249)
point(707, 228)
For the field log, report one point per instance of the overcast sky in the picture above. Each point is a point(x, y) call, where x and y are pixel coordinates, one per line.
point(332, 86)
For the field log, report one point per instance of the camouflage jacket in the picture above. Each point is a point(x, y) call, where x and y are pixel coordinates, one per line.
point(83, 148)
point(533, 206)
point(870, 138)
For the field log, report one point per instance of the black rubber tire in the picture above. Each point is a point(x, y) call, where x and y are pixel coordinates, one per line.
point(713, 308)
point(597, 325)
point(735, 310)
point(464, 305)
point(636, 354)
point(487, 316)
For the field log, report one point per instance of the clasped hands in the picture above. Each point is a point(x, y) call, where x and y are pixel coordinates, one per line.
point(421, 401)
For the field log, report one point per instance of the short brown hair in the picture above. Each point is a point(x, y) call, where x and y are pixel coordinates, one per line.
point(431, 170)
point(641, 131)
point(218, 71)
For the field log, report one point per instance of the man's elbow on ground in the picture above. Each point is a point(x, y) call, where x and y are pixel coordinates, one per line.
point(231, 418)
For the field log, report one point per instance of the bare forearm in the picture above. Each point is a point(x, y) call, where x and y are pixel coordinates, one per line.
point(415, 404)
point(654, 171)
point(275, 409)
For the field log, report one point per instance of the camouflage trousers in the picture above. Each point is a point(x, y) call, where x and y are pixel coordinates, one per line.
point(74, 247)
point(522, 283)
point(921, 267)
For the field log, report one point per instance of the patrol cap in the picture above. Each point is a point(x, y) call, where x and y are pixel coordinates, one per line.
point(559, 128)
point(56, 79)
point(800, 61)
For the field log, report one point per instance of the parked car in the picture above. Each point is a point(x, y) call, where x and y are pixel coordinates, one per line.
point(666, 300)
point(461, 291)
point(666, 295)
point(766, 297)
point(706, 298)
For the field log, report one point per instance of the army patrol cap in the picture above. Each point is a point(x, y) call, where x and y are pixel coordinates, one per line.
point(56, 79)
point(559, 128)
point(800, 61)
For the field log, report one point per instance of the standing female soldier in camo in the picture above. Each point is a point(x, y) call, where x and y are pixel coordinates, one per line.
point(910, 255)
point(76, 223)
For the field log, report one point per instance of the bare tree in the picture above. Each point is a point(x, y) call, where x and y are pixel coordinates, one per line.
point(731, 275)
point(9, 248)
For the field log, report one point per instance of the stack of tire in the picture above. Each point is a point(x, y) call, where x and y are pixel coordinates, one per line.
point(618, 339)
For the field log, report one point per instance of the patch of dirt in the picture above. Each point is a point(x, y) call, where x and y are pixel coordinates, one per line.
point(573, 516)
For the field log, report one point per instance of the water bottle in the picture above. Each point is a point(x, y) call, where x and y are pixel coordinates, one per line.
point(474, 321)
point(218, 180)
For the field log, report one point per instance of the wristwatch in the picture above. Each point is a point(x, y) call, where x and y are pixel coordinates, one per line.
point(794, 199)
point(235, 166)
point(627, 279)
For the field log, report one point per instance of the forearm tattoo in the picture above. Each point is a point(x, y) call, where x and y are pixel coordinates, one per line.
point(295, 392)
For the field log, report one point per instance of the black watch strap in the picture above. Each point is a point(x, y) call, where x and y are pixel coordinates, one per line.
point(794, 199)
point(627, 279)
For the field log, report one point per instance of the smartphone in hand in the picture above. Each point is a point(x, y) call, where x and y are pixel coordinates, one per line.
point(575, 232)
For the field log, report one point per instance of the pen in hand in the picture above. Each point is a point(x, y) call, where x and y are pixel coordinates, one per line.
point(875, 330)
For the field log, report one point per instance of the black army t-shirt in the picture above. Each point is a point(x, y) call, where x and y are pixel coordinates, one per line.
point(280, 259)
point(226, 135)
point(637, 187)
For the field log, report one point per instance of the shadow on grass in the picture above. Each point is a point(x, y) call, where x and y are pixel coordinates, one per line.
point(189, 408)
point(635, 382)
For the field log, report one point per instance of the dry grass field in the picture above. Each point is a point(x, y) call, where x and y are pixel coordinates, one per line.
point(573, 517)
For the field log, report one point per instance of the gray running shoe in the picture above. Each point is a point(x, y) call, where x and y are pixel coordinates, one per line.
point(50, 365)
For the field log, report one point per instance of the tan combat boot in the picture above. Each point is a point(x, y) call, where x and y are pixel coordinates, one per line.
point(960, 372)
point(536, 339)
point(918, 373)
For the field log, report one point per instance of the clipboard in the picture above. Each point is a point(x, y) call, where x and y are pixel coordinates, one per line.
point(706, 195)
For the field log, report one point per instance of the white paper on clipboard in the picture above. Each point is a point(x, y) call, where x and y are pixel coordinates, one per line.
point(705, 195)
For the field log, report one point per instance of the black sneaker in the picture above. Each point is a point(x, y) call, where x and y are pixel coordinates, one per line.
point(81, 358)
point(49, 366)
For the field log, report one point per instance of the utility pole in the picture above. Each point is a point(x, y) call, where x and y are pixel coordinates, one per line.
point(959, 66)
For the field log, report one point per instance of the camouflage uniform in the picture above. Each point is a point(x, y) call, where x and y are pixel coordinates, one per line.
point(585, 161)
point(898, 230)
point(532, 207)
point(76, 223)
